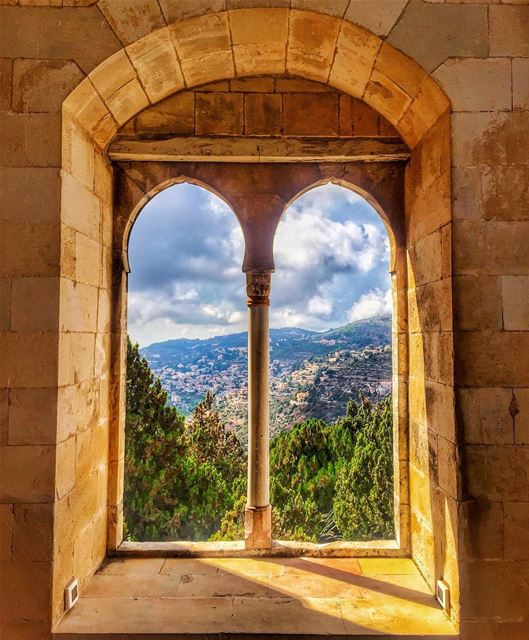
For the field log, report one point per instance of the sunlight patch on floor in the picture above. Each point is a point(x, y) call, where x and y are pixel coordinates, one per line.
point(306, 596)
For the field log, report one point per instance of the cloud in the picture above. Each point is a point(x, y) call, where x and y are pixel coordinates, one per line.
point(186, 252)
point(375, 302)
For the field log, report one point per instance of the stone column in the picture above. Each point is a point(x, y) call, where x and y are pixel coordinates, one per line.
point(258, 515)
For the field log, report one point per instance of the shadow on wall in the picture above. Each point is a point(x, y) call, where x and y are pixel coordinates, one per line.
point(434, 468)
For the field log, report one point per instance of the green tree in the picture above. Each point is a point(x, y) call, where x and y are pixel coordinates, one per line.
point(363, 502)
point(175, 489)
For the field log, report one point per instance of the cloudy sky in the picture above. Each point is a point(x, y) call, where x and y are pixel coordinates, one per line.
point(186, 251)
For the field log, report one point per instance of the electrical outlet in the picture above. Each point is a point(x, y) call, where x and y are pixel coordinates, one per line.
point(442, 594)
point(71, 594)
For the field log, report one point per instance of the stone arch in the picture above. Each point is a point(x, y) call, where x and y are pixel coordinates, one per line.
point(250, 42)
point(220, 46)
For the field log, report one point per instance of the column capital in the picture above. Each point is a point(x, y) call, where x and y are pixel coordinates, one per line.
point(258, 286)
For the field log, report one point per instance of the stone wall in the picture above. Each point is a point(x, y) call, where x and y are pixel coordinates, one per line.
point(472, 520)
point(264, 106)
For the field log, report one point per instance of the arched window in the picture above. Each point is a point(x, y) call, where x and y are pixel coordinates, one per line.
point(183, 469)
point(330, 393)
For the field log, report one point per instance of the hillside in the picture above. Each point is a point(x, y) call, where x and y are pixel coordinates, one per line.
point(313, 374)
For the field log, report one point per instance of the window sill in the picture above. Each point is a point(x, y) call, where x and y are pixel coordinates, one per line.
point(169, 598)
point(284, 549)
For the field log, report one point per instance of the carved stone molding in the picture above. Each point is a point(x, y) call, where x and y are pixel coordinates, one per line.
point(258, 285)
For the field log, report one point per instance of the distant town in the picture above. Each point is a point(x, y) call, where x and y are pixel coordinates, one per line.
point(313, 374)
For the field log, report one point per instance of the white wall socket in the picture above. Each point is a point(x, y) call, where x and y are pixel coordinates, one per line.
point(71, 594)
point(442, 594)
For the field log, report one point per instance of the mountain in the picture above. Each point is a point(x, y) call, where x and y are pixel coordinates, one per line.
point(313, 374)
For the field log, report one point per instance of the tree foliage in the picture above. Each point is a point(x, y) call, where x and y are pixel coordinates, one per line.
point(187, 479)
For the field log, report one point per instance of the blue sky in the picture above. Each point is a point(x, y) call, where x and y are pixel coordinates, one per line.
point(186, 249)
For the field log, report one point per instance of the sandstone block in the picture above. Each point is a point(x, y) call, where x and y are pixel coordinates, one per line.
point(476, 84)
point(33, 533)
point(466, 183)
point(127, 101)
point(515, 296)
point(312, 41)
point(247, 4)
point(154, 58)
point(173, 115)
point(207, 33)
point(5, 303)
point(509, 30)
point(85, 460)
point(492, 359)
point(35, 304)
point(103, 182)
point(356, 51)
point(253, 85)
point(104, 311)
point(517, 531)
point(297, 85)
point(482, 527)
point(25, 588)
point(42, 85)
point(492, 248)
point(400, 69)
point(29, 360)
point(425, 262)
point(219, 113)
point(81, 159)
point(520, 81)
point(81, 356)
point(453, 31)
point(311, 114)
point(87, 260)
point(424, 111)
point(102, 355)
point(485, 415)
point(259, 37)
point(479, 600)
point(65, 474)
point(376, 15)
point(429, 208)
point(6, 531)
point(262, 114)
point(30, 140)
point(386, 96)
point(48, 34)
point(85, 105)
point(29, 249)
point(490, 138)
point(112, 74)
point(19, 486)
point(4, 416)
point(521, 416)
point(80, 208)
point(132, 20)
point(77, 408)
point(174, 10)
point(429, 307)
point(6, 68)
point(496, 472)
point(30, 194)
point(477, 302)
point(365, 119)
point(32, 416)
point(504, 192)
point(78, 306)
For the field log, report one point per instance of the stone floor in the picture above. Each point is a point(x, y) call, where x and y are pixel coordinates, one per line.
point(169, 598)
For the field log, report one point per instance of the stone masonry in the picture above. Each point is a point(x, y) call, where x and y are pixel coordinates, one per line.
point(451, 78)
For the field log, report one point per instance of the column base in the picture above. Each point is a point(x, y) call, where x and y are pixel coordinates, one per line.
point(258, 527)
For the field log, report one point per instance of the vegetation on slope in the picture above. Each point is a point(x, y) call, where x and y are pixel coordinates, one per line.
point(186, 479)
